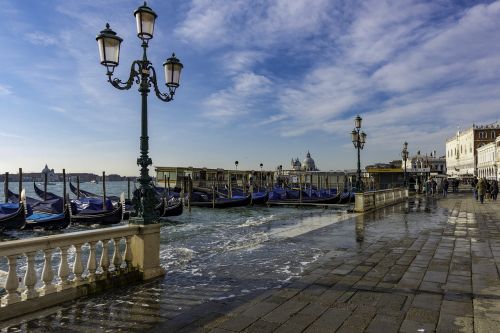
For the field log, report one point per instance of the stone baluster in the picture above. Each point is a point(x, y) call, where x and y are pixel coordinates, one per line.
point(47, 273)
point(128, 253)
point(12, 282)
point(92, 262)
point(117, 257)
point(64, 268)
point(77, 265)
point(30, 277)
point(105, 257)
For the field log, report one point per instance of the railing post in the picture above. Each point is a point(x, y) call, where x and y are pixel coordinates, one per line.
point(77, 264)
point(64, 268)
point(30, 277)
point(128, 253)
point(47, 273)
point(117, 257)
point(12, 282)
point(92, 262)
point(105, 258)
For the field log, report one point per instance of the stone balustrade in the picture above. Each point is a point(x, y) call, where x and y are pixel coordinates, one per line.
point(366, 201)
point(84, 265)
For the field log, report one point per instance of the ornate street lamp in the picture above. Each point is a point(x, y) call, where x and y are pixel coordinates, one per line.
point(143, 73)
point(358, 139)
point(404, 155)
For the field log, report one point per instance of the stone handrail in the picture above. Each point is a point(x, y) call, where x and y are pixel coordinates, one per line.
point(139, 258)
point(366, 201)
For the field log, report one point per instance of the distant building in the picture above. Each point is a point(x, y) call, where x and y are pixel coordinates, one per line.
point(461, 150)
point(428, 163)
point(51, 175)
point(488, 160)
point(307, 164)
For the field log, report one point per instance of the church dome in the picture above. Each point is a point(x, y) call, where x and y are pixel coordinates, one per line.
point(308, 163)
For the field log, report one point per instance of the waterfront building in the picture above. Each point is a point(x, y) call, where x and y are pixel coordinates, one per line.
point(432, 164)
point(461, 149)
point(51, 175)
point(307, 164)
point(488, 160)
point(174, 176)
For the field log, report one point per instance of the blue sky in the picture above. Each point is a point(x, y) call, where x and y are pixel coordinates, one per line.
point(263, 81)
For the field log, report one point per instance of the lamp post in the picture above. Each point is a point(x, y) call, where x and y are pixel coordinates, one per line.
point(404, 155)
point(236, 164)
point(358, 139)
point(142, 73)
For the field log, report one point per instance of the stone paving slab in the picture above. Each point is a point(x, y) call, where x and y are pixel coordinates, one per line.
point(441, 280)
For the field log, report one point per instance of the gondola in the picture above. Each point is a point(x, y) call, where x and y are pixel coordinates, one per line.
point(223, 202)
point(99, 217)
point(87, 194)
point(12, 216)
point(54, 206)
point(259, 198)
point(113, 198)
point(173, 209)
point(48, 221)
point(282, 196)
point(45, 195)
point(345, 197)
point(90, 216)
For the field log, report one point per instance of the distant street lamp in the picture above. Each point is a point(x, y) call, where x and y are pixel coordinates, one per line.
point(143, 73)
point(359, 140)
point(404, 155)
point(236, 164)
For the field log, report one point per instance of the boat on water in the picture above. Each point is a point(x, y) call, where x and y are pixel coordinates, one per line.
point(12, 216)
point(200, 199)
point(20, 216)
point(91, 210)
point(48, 221)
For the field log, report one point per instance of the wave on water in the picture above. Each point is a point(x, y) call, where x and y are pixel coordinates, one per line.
point(255, 221)
point(173, 258)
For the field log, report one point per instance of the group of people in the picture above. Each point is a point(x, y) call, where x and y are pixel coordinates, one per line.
point(484, 188)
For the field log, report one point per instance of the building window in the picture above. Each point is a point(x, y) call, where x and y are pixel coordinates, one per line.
point(493, 134)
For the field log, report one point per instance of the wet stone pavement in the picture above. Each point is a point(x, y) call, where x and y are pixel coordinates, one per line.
point(430, 265)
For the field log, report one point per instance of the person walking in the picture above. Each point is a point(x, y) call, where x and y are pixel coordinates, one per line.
point(481, 189)
point(474, 183)
point(445, 185)
point(494, 190)
point(434, 187)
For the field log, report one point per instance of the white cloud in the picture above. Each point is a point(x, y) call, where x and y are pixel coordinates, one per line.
point(238, 99)
point(5, 90)
point(57, 109)
point(41, 38)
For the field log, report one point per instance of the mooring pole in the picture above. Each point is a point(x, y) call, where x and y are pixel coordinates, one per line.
point(78, 187)
point(20, 182)
point(64, 188)
point(6, 187)
point(104, 190)
point(128, 187)
point(45, 186)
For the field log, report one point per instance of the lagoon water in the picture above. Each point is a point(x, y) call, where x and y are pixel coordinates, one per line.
point(223, 256)
point(208, 245)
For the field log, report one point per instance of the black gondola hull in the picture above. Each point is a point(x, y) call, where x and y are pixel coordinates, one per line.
point(14, 221)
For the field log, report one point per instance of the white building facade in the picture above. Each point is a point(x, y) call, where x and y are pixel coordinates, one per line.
point(461, 150)
point(487, 161)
